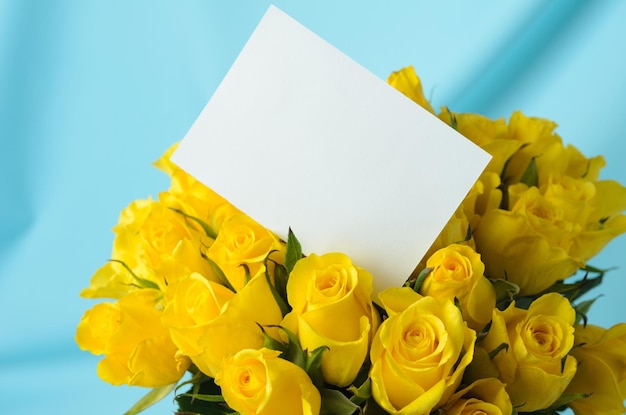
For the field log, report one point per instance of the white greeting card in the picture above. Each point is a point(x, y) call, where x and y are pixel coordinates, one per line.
point(298, 135)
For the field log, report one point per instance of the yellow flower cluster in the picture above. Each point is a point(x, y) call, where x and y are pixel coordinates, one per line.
point(538, 199)
point(484, 326)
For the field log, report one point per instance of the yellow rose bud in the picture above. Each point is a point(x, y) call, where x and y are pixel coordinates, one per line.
point(605, 220)
point(539, 142)
point(193, 302)
point(485, 397)
point(150, 238)
point(208, 323)
point(536, 367)
point(240, 249)
point(486, 194)
point(602, 370)
point(138, 349)
point(455, 231)
point(457, 272)
point(491, 135)
point(529, 244)
point(331, 306)
point(406, 81)
point(258, 382)
point(192, 197)
point(580, 166)
point(419, 354)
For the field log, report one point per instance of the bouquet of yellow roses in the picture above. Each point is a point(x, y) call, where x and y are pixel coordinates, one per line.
point(490, 322)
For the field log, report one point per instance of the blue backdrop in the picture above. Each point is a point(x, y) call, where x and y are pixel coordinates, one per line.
point(91, 92)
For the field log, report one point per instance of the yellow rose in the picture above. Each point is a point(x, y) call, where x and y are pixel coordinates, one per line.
point(602, 370)
point(406, 81)
point(528, 245)
point(419, 354)
point(485, 397)
point(258, 382)
point(457, 272)
point(207, 322)
point(536, 367)
point(331, 306)
point(241, 248)
point(138, 349)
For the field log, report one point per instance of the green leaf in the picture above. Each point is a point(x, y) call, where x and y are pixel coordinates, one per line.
point(572, 291)
point(141, 282)
point(530, 176)
point(314, 365)
point(203, 398)
point(336, 403)
point(420, 279)
point(293, 253)
point(205, 226)
point(152, 397)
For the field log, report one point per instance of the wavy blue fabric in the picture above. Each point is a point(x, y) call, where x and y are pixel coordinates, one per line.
point(91, 92)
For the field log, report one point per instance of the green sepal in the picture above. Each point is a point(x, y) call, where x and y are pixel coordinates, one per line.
point(293, 251)
point(560, 404)
point(582, 309)
point(280, 281)
point(152, 397)
point(530, 176)
point(313, 365)
point(494, 352)
point(293, 352)
point(271, 343)
point(505, 291)
point(246, 276)
point(372, 408)
point(208, 230)
point(280, 298)
point(219, 272)
point(141, 282)
point(336, 403)
point(362, 393)
point(468, 235)
point(453, 121)
point(417, 285)
point(204, 398)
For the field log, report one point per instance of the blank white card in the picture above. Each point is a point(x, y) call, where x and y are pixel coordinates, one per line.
point(298, 135)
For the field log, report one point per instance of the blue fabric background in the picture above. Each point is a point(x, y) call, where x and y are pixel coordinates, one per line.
point(91, 92)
